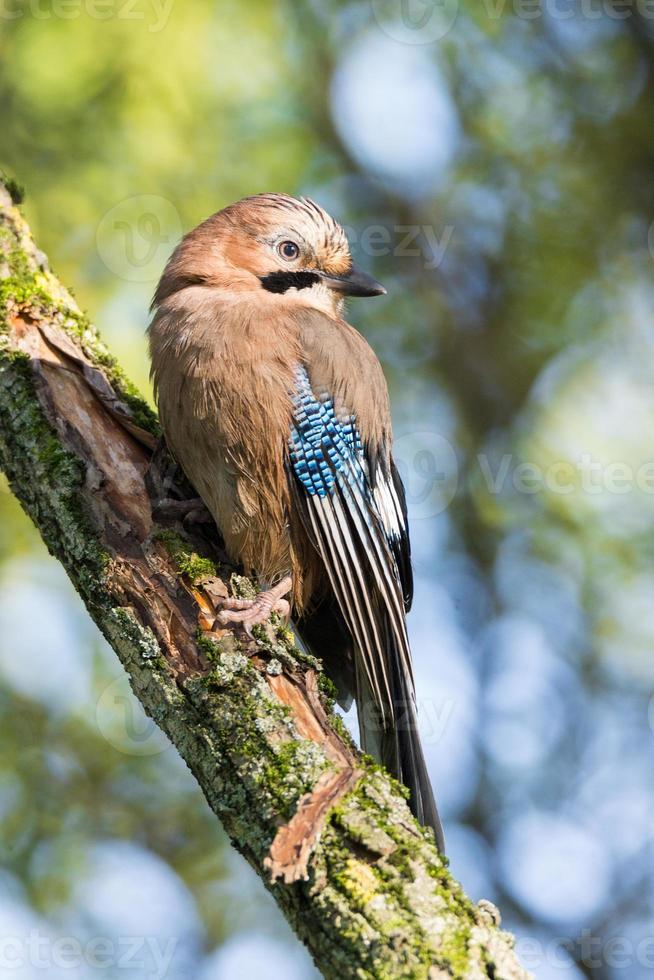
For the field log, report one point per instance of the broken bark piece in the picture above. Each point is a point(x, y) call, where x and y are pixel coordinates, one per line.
point(296, 841)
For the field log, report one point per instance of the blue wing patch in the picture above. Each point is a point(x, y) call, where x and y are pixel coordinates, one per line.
point(328, 459)
point(323, 448)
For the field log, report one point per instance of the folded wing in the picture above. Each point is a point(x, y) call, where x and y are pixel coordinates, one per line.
point(351, 502)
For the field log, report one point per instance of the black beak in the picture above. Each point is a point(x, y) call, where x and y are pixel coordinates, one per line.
point(356, 282)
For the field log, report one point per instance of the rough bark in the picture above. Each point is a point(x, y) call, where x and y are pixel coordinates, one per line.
point(360, 882)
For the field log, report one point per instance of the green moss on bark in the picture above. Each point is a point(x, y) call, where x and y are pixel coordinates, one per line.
point(189, 563)
point(48, 480)
point(16, 191)
point(26, 283)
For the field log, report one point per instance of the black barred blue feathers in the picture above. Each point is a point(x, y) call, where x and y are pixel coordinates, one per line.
point(322, 446)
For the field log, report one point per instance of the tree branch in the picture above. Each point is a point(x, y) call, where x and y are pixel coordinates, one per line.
point(359, 880)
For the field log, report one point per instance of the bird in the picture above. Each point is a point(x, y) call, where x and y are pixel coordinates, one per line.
point(277, 410)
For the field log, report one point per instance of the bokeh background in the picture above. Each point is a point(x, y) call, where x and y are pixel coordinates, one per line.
point(494, 164)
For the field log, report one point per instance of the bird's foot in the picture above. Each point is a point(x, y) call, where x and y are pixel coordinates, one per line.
point(249, 612)
point(171, 493)
point(191, 511)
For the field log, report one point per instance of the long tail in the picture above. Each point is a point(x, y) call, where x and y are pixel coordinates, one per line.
point(362, 576)
point(398, 747)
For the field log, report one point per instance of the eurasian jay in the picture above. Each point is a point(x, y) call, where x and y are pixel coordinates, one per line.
point(278, 412)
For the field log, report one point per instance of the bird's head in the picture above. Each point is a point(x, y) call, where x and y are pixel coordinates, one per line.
point(274, 245)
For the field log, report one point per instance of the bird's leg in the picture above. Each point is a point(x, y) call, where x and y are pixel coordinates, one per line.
point(171, 493)
point(250, 612)
point(191, 511)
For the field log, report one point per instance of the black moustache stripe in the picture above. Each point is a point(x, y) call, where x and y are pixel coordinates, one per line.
point(279, 282)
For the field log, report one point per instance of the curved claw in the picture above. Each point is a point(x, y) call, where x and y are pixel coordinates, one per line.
point(251, 612)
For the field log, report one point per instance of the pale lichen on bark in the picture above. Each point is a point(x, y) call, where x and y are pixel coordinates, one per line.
point(360, 881)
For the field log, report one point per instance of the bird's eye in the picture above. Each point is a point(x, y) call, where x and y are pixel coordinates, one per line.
point(288, 250)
